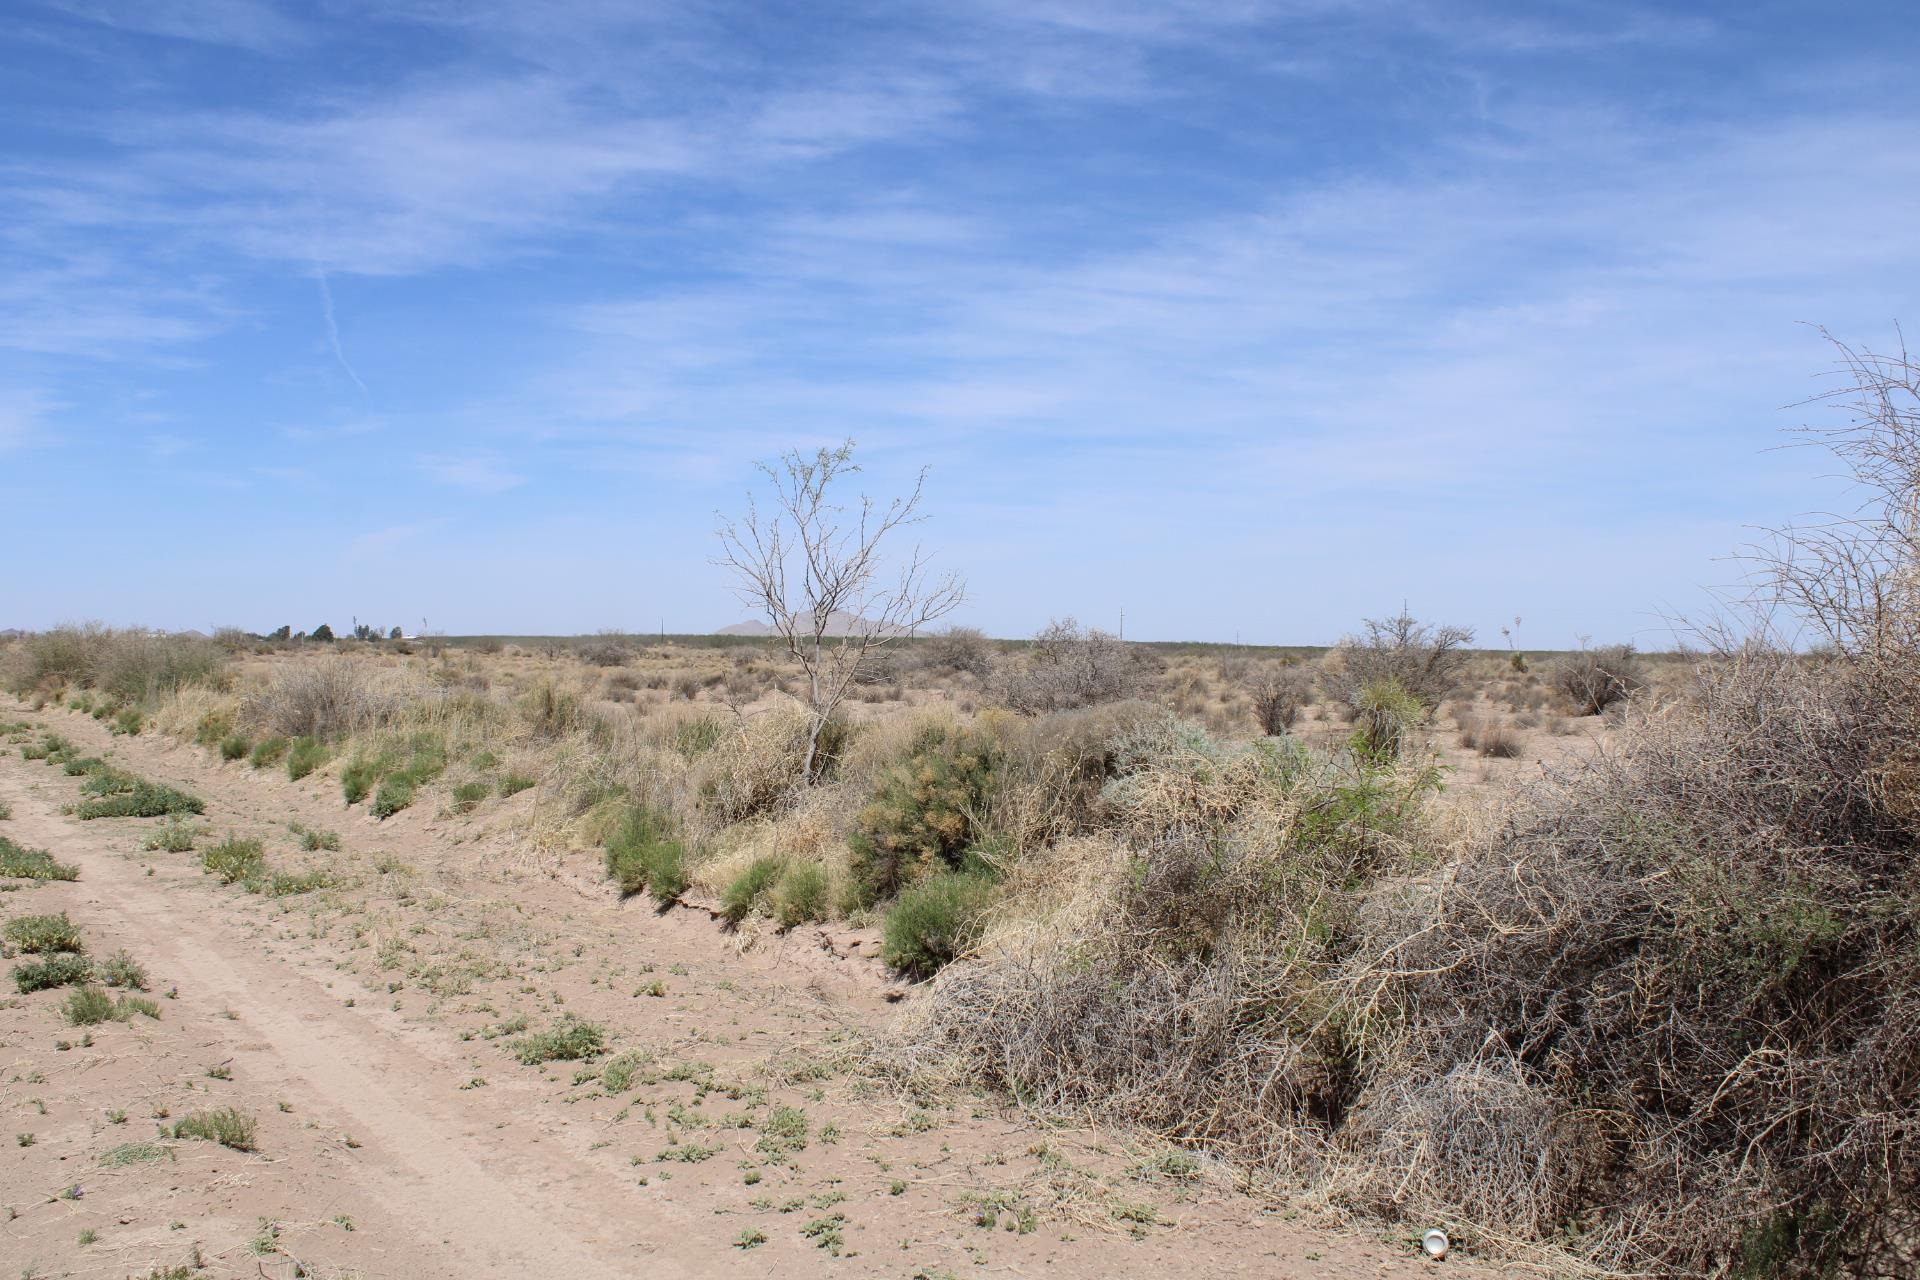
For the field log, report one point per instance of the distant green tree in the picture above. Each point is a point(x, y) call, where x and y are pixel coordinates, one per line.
point(321, 632)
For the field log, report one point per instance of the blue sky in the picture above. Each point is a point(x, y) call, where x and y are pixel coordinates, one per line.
point(1250, 319)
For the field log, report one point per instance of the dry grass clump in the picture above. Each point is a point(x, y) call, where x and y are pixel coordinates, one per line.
point(1495, 739)
point(1172, 973)
point(756, 768)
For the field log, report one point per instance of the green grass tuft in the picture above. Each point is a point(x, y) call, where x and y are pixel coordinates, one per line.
point(227, 1126)
point(395, 794)
point(642, 855)
point(749, 887)
point(802, 895)
point(306, 755)
point(268, 753)
point(934, 922)
point(233, 747)
point(88, 1006)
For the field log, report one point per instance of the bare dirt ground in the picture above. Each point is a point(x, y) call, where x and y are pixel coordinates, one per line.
point(366, 1028)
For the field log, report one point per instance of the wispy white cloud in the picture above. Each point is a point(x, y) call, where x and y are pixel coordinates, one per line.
point(24, 417)
point(474, 473)
point(247, 24)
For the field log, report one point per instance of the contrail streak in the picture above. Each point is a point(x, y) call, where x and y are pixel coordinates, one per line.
point(333, 329)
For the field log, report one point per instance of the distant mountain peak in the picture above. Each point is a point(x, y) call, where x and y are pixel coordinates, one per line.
point(839, 623)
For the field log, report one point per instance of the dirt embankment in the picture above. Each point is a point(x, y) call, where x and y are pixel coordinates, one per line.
point(371, 1030)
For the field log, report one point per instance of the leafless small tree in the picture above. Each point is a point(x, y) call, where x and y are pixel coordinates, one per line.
point(1425, 660)
point(813, 569)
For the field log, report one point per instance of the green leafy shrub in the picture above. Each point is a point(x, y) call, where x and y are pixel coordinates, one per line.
point(749, 887)
point(61, 969)
point(268, 752)
point(33, 935)
point(642, 854)
point(18, 862)
point(802, 895)
point(924, 810)
point(571, 1039)
point(226, 1126)
point(468, 795)
point(426, 759)
point(234, 746)
point(306, 755)
point(935, 921)
point(233, 860)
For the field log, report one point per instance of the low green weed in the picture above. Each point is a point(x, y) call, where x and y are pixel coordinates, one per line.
point(35, 935)
point(18, 862)
point(571, 1039)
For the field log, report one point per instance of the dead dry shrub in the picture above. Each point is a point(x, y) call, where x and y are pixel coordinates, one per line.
point(958, 651)
point(327, 698)
point(1277, 695)
point(1500, 741)
point(1665, 1012)
point(1591, 680)
point(606, 651)
point(132, 666)
point(1067, 667)
point(1691, 947)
